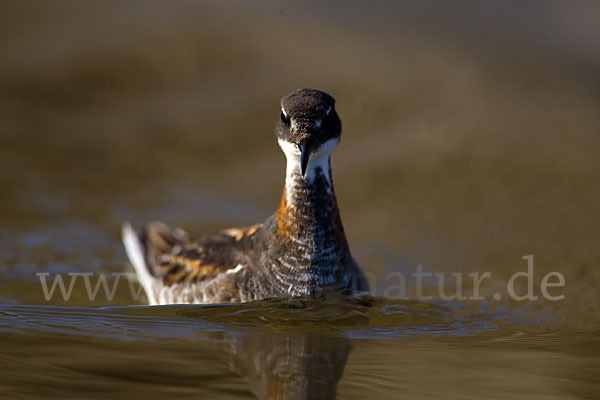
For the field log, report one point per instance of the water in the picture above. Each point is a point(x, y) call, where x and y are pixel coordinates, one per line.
point(295, 349)
point(463, 151)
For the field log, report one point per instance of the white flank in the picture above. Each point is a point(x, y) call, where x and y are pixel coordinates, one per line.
point(135, 252)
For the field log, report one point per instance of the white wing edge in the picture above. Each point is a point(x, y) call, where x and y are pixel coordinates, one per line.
point(135, 253)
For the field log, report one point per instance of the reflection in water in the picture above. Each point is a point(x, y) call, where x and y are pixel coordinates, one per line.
point(290, 365)
point(278, 364)
point(295, 349)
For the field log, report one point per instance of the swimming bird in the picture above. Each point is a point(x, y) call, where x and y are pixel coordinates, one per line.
point(300, 250)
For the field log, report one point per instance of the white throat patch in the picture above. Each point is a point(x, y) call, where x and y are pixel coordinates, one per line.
point(318, 159)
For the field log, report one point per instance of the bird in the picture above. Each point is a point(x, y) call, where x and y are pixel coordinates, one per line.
point(300, 250)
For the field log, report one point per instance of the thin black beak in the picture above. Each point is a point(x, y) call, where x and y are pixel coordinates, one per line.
point(305, 147)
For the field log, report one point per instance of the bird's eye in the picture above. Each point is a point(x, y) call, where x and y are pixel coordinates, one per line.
point(285, 118)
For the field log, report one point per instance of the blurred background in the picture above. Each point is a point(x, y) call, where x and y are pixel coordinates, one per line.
point(470, 130)
point(471, 138)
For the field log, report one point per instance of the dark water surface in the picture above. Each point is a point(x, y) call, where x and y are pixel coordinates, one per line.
point(471, 139)
point(296, 349)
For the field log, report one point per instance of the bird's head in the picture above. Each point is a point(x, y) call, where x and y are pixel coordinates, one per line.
point(308, 127)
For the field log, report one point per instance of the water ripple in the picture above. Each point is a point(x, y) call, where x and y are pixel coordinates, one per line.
point(355, 317)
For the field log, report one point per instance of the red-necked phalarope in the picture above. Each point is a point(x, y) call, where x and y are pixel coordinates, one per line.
point(300, 250)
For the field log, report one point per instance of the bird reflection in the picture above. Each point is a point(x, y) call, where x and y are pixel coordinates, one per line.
point(289, 365)
point(285, 349)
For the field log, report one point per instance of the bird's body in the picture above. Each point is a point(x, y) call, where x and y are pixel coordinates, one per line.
point(300, 250)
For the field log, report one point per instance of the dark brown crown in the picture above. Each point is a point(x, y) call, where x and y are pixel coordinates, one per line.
point(308, 114)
